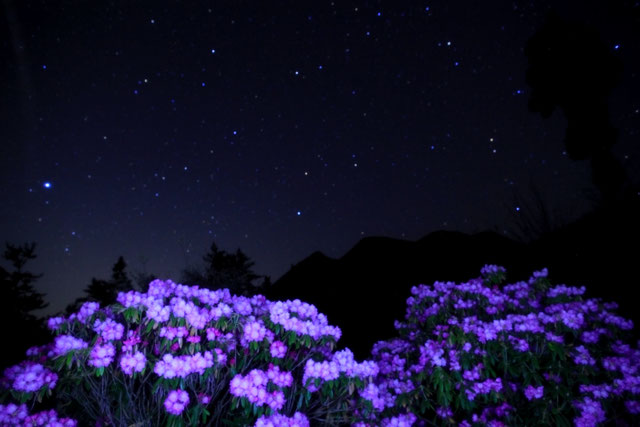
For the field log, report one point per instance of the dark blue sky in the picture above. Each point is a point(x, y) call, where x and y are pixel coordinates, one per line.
point(281, 130)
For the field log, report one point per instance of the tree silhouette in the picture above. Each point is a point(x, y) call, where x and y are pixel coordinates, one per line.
point(142, 278)
point(225, 270)
point(570, 68)
point(18, 299)
point(105, 291)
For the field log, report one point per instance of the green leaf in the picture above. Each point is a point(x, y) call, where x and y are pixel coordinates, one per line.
point(300, 400)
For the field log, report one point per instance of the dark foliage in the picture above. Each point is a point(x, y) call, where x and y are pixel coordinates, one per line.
point(18, 299)
point(226, 270)
point(570, 68)
point(105, 291)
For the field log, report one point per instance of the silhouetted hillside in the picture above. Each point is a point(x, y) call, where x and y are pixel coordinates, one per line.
point(364, 291)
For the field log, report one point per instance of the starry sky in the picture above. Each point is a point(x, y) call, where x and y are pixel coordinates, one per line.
point(151, 129)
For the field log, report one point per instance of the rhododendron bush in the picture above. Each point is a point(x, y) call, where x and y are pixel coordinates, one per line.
point(183, 355)
point(528, 353)
point(475, 353)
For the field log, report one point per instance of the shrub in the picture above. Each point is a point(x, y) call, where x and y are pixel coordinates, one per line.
point(475, 353)
point(521, 354)
point(180, 355)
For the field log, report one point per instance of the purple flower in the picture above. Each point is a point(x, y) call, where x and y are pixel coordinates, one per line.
point(87, 310)
point(109, 330)
point(12, 414)
point(158, 312)
point(242, 305)
point(63, 344)
point(444, 412)
point(298, 420)
point(404, 420)
point(633, 406)
point(519, 344)
point(132, 340)
point(176, 401)
point(278, 349)
point(254, 331)
point(130, 298)
point(372, 393)
point(102, 355)
point(491, 269)
point(194, 339)
point(204, 399)
point(171, 366)
point(172, 332)
point(325, 370)
point(275, 400)
point(279, 378)
point(532, 392)
point(130, 363)
point(583, 357)
point(591, 412)
point(53, 323)
point(30, 377)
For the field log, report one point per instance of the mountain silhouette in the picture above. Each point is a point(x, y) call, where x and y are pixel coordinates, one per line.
point(366, 289)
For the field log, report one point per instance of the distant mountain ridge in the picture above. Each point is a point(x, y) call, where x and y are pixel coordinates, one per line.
point(365, 290)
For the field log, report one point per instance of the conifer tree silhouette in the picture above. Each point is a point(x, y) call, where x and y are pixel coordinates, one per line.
point(225, 270)
point(105, 292)
point(18, 299)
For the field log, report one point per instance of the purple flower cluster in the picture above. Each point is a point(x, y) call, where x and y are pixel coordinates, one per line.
point(176, 401)
point(254, 331)
point(158, 312)
point(86, 310)
point(172, 332)
point(484, 387)
point(591, 412)
point(491, 269)
point(342, 362)
point(278, 377)
point(532, 392)
point(102, 355)
point(14, 415)
point(583, 357)
point(130, 299)
point(171, 366)
point(278, 420)
point(278, 349)
point(402, 420)
point(518, 343)
point(63, 344)
point(306, 321)
point(109, 330)
point(130, 363)
point(520, 332)
point(253, 386)
point(30, 377)
point(242, 306)
point(53, 323)
point(372, 393)
point(601, 391)
point(565, 290)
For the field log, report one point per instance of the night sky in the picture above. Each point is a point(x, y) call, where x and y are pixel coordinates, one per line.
point(152, 129)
